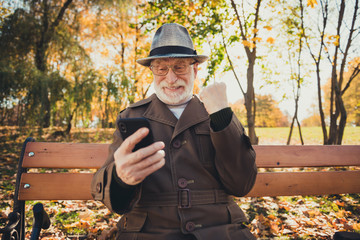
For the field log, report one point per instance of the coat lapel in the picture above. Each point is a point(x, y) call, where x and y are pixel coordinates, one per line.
point(159, 112)
point(193, 114)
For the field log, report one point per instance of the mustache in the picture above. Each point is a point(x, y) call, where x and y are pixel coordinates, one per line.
point(178, 83)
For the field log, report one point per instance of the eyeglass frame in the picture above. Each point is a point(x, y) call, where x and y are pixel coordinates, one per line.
point(171, 66)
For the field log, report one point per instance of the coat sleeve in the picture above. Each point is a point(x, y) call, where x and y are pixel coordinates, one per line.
point(234, 158)
point(107, 189)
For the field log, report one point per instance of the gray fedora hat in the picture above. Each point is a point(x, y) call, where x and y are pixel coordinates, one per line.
point(172, 40)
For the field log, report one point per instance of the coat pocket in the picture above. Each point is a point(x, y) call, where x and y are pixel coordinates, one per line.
point(236, 214)
point(205, 146)
point(132, 222)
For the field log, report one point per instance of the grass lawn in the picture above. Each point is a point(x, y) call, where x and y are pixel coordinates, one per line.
point(311, 136)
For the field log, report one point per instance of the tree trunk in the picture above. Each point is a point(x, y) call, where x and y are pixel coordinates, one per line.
point(342, 123)
point(317, 59)
point(68, 128)
point(40, 62)
point(295, 118)
point(335, 98)
point(46, 34)
point(251, 56)
point(321, 111)
point(249, 100)
point(105, 120)
point(300, 134)
point(291, 129)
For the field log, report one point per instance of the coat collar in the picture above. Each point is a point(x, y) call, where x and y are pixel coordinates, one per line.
point(158, 111)
point(193, 114)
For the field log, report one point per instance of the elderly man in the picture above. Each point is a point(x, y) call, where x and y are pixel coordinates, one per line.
point(181, 186)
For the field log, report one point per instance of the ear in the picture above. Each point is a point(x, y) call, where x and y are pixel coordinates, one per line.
point(195, 66)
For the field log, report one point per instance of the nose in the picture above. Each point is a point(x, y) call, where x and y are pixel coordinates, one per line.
point(171, 77)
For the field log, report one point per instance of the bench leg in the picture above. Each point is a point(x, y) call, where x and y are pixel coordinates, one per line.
point(19, 206)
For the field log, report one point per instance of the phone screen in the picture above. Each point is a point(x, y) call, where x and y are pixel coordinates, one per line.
point(127, 127)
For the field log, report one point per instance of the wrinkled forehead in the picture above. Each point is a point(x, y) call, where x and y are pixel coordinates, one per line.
point(170, 61)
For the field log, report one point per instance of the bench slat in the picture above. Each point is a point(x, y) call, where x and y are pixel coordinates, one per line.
point(307, 156)
point(306, 183)
point(76, 186)
point(65, 155)
point(91, 155)
point(55, 186)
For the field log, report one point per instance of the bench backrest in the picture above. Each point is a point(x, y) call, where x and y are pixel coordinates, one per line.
point(295, 170)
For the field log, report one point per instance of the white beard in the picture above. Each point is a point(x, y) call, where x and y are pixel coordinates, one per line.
point(174, 98)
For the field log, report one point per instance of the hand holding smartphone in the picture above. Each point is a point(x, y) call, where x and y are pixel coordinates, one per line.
point(129, 126)
point(132, 168)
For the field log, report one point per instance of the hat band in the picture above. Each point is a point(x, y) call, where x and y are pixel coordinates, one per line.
point(172, 49)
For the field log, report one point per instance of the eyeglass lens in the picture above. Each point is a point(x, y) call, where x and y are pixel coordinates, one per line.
point(162, 69)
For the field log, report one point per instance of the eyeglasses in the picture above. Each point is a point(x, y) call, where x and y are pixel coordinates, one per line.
point(178, 69)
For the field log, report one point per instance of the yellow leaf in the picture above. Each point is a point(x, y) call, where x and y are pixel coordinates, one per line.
point(248, 44)
point(312, 3)
point(255, 30)
point(270, 40)
point(83, 224)
point(356, 226)
point(272, 217)
point(274, 228)
point(336, 42)
point(257, 39)
point(268, 28)
point(312, 213)
point(340, 204)
point(105, 52)
point(310, 223)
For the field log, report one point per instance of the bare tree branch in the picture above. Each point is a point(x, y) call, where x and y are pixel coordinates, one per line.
point(349, 42)
point(243, 34)
point(353, 75)
point(231, 64)
point(60, 15)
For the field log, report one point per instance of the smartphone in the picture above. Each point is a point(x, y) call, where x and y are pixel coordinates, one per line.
point(128, 126)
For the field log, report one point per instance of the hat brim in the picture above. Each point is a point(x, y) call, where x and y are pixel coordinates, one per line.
point(146, 61)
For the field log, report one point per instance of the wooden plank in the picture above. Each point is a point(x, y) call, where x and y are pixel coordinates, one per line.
point(64, 155)
point(76, 186)
point(90, 155)
point(56, 186)
point(306, 183)
point(307, 156)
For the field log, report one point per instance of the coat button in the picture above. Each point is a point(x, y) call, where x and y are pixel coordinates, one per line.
point(176, 144)
point(182, 182)
point(98, 187)
point(190, 226)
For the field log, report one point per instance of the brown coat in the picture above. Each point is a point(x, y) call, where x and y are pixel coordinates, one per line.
point(202, 167)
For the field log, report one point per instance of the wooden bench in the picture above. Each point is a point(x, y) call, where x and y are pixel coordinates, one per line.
point(284, 171)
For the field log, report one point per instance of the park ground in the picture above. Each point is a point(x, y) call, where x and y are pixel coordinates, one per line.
point(298, 217)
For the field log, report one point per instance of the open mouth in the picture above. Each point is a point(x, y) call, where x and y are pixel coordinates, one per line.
point(173, 89)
